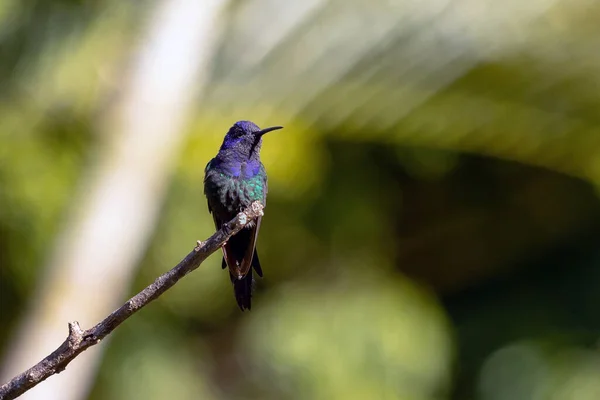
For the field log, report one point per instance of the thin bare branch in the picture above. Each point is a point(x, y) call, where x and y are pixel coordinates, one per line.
point(79, 340)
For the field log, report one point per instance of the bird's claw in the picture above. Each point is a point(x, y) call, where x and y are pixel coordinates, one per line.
point(199, 245)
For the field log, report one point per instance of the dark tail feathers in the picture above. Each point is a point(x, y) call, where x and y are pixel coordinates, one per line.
point(242, 289)
point(255, 264)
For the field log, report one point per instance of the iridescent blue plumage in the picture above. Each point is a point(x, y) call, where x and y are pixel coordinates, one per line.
point(233, 180)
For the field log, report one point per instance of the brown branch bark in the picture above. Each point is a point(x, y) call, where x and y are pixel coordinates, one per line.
point(80, 340)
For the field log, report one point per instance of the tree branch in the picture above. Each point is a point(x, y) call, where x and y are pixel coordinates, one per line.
point(79, 340)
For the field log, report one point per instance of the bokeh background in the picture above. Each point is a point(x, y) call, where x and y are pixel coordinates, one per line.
point(433, 222)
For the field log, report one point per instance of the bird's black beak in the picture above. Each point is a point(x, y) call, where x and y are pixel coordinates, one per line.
point(267, 130)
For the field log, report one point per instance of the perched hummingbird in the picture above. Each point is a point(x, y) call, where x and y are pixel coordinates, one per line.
point(233, 180)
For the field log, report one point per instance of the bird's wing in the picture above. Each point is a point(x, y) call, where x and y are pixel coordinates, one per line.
point(206, 194)
point(239, 250)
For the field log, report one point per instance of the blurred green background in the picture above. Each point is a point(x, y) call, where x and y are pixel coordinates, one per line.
point(433, 217)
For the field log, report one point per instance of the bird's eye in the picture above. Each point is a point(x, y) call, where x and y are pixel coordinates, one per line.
point(238, 132)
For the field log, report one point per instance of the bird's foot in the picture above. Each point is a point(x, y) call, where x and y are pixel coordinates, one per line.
point(199, 245)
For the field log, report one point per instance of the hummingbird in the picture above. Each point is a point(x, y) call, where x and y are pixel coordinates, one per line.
point(233, 180)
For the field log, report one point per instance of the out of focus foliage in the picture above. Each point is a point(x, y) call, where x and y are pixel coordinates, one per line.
point(433, 220)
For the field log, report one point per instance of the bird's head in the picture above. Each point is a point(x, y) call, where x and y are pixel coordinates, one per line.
point(244, 139)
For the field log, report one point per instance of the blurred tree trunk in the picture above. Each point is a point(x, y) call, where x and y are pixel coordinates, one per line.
point(120, 196)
